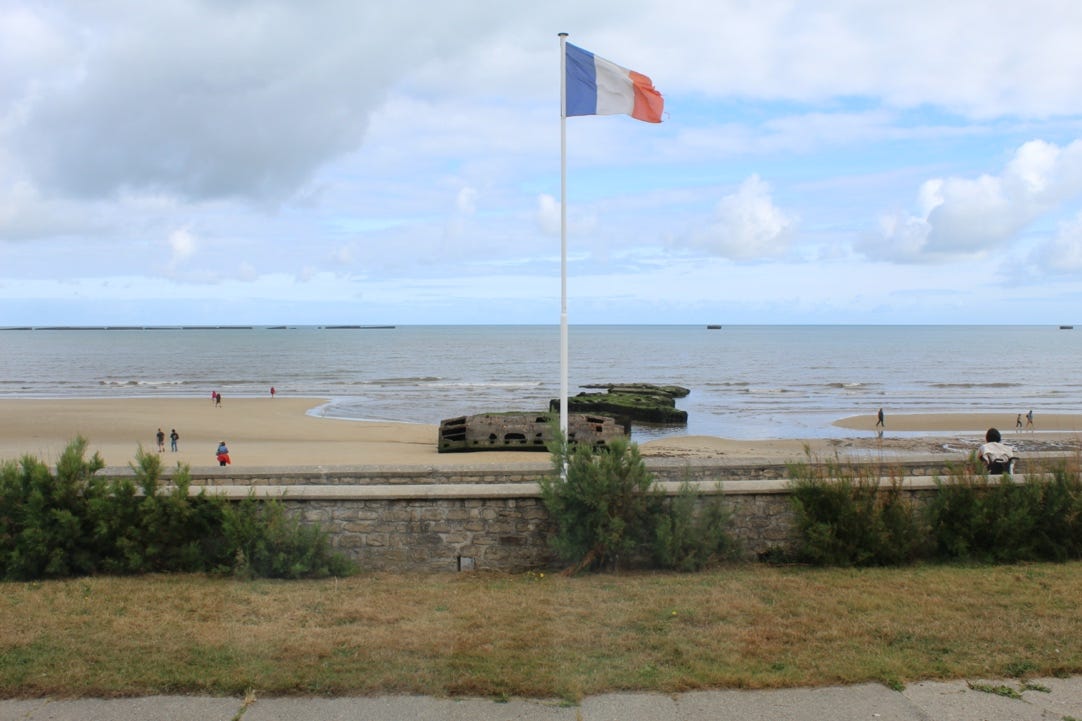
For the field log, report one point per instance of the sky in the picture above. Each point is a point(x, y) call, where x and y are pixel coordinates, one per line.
point(342, 162)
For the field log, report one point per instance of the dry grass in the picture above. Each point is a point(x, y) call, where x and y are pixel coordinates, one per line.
point(550, 636)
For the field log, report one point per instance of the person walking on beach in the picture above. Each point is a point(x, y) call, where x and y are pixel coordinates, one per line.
point(879, 420)
point(161, 441)
point(272, 392)
point(173, 438)
point(223, 454)
point(217, 399)
point(1029, 420)
point(1018, 422)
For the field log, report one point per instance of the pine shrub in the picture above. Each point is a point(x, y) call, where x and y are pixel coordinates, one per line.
point(77, 523)
point(602, 505)
point(845, 517)
point(43, 518)
point(608, 510)
point(269, 543)
point(692, 533)
point(976, 517)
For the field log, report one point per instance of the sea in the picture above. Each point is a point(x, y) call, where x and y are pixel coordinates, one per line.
point(745, 381)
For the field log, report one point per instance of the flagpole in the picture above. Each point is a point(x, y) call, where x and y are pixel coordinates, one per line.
point(563, 235)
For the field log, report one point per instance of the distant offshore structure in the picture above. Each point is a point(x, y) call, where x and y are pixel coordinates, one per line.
point(197, 327)
point(1066, 327)
point(356, 327)
point(713, 327)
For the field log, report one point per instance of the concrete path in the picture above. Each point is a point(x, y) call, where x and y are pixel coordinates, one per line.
point(1042, 699)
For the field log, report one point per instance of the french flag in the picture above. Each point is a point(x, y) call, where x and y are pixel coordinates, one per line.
point(596, 86)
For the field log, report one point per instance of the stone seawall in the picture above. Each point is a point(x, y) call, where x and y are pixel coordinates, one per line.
point(665, 469)
point(421, 519)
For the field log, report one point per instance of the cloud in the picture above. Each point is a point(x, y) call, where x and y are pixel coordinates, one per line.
point(466, 201)
point(747, 225)
point(418, 143)
point(464, 209)
point(582, 219)
point(250, 99)
point(182, 246)
point(548, 214)
point(1061, 255)
point(960, 217)
point(979, 58)
point(26, 214)
point(342, 255)
point(241, 99)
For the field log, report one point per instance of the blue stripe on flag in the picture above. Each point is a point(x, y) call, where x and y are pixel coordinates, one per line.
point(581, 82)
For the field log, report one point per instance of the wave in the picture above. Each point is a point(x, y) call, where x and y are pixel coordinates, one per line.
point(492, 384)
point(135, 383)
point(779, 381)
point(405, 380)
point(995, 384)
point(438, 382)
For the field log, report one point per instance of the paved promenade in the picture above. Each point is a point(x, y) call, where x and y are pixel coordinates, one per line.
point(1044, 700)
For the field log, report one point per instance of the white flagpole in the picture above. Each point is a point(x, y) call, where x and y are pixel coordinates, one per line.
point(563, 234)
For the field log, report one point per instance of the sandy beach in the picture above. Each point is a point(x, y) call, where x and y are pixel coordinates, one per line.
point(265, 432)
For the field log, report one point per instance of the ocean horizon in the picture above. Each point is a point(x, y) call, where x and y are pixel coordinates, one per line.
point(745, 381)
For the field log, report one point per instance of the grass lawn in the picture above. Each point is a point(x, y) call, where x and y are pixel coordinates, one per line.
point(747, 626)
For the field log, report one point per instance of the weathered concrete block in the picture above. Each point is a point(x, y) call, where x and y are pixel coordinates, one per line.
point(522, 431)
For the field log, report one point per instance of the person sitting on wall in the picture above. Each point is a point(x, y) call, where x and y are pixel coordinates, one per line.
point(997, 457)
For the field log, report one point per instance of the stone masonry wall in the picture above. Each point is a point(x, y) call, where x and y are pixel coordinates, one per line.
point(510, 534)
point(432, 535)
point(425, 528)
point(449, 519)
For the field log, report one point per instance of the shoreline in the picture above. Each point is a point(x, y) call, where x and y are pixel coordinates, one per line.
point(280, 432)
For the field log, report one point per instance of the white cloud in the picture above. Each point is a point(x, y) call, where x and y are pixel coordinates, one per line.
point(466, 201)
point(548, 214)
point(240, 100)
point(182, 246)
point(342, 255)
point(275, 139)
point(582, 219)
point(958, 217)
point(981, 58)
point(464, 209)
point(1063, 253)
point(747, 225)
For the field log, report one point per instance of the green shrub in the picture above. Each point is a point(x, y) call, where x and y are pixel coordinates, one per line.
point(139, 528)
point(268, 543)
point(976, 517)
point(691, 533)
point(608, 510)
point(1059, 525)
point(845, 517)
point(78, 523)
point(43, 529)
point(956, 515)
point(602, 506)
